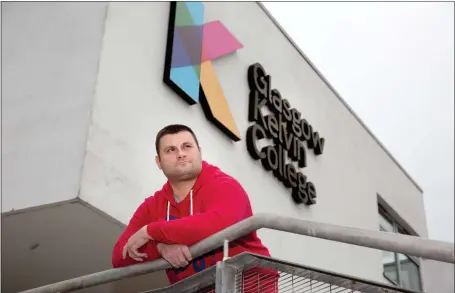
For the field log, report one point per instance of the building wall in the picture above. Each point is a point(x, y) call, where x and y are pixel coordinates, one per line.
point(50, 54)
point(132, 103)
point(438, 276)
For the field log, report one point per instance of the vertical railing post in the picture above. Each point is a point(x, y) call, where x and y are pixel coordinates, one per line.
point(225, 278)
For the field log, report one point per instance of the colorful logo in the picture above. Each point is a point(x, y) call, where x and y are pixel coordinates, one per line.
point(192, 45)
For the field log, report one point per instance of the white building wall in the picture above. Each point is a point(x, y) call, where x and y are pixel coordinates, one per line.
point(50, 57)
point(438, 277)
point(132, 103)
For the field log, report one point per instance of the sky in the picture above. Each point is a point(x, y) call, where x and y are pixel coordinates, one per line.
point(393, 63)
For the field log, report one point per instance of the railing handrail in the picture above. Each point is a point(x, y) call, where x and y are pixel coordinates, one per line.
point(411, 245)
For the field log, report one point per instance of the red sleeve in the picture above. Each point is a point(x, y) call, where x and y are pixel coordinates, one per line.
point(139, 220)
point(226, 204)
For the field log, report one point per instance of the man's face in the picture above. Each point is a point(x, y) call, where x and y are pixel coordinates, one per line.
point(179, 156)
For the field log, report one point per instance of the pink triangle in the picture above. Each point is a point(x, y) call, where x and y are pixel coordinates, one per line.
point(217, 41)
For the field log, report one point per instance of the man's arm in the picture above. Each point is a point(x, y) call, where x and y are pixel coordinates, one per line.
point(138, 221)
point(227, 205)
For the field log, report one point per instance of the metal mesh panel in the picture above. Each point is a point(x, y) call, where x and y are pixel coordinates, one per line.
point(258, 282)
point(289, 278)
point(258, 274)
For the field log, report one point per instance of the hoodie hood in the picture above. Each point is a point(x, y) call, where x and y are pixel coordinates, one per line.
point(207, 174)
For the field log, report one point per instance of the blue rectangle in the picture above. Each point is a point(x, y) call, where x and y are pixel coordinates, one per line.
point(186, 79)
point(196, 10)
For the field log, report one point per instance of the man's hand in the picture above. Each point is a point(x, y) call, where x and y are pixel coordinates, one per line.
point(177, 255)
point(136, 241)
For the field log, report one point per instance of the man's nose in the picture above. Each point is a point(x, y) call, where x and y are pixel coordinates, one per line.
point(181, 153)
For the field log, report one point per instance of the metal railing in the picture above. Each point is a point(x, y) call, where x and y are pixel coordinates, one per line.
point(411, 245)
point(241, 274)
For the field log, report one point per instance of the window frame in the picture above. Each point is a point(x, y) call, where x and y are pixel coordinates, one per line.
point(396, 227)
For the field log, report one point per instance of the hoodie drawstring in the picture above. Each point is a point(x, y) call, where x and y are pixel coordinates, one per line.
point(191, 206)
point(168, 206)
point(191, 202)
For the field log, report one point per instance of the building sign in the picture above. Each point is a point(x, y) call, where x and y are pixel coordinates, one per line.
point(192, 45)
point(288, 131)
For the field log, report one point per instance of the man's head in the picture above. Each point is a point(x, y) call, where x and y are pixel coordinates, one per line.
point(178, 152)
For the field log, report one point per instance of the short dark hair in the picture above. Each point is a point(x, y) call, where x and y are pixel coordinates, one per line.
point(172, 129)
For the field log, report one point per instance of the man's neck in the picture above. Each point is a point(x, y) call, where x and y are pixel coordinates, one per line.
point(182, 188)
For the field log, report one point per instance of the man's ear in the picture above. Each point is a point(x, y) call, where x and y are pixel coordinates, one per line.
point(157, 160)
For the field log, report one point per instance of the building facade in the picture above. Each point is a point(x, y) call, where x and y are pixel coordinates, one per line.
point(86, 87)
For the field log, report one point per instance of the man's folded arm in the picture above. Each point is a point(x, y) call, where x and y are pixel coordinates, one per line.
point(138, 221)
point(226, 205)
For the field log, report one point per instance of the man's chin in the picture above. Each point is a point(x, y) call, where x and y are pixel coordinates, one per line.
point(184, 171)
point(184, 167)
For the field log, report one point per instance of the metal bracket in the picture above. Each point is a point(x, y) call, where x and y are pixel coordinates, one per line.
point(226, 250)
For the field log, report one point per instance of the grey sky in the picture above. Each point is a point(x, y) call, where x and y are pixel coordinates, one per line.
point(394, 65)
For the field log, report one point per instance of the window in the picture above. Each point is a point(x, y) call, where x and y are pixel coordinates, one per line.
point(402, 270)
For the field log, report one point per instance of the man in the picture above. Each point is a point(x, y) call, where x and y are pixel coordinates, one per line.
point(197, 201)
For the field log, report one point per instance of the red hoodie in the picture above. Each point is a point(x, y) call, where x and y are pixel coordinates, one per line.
point(215, 202)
